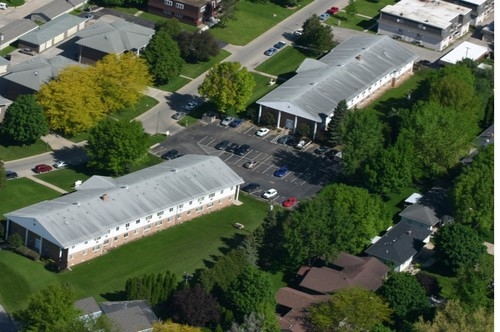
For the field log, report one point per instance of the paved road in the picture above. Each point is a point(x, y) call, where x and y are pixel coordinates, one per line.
point(12, 14)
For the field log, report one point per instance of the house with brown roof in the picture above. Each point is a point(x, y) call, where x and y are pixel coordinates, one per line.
point(318, 283)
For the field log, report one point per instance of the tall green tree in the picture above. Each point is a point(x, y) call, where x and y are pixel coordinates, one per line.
point(316, 38)
point(113, 145)
point(163, 57)
point(24, 121)
point(440, 135)
point(334, 135)
point(362, 134)
point(457, 246)
point(194, 306)
point(49, 309)
point(351, 9)
point(229, 86)
point(171, 26)
point(453, 317)
point(405, 296)
point(229, 9)
point(472, 193)
point(197, 46)
point(350, 309)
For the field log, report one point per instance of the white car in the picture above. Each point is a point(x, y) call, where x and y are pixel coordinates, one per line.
point(60, 164)
point(262, 132)
point(226, 121)
point(270, 193)
point(190, 106)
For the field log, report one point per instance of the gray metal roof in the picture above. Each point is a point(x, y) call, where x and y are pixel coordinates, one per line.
point(430, 208)
point(82, 215)
point(57, 7)
point(116, 37)
point(52, 29)
point(400, 243)
point(38, 70)
point(130, 316)
point(343, 73)
point(88, 306)
point(17, 28)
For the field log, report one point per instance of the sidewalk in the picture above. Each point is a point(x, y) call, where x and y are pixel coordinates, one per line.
point(51, 186)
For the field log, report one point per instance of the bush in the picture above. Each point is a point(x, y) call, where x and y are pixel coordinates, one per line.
point(27, 252)
point(15, 240)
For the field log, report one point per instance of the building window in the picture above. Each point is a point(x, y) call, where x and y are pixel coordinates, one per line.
point(190, 202)
point(201, 199)
point(85, 252)
point(212, 195)
point(169, 219)
point(179, 5)
point(73, 247)
point(159, 214)
point(135, 232)
point(159, 223)
point(86, 242)
point(138, 221)
point(232, 188)
point(116, 238)
point(106, 242)
point(118, 228)
point(96, 248)
point(189, 212)
point(222, 191)
point(180, 206)
point(179, 15)
point(125, 235)
point(127, 225)
point(199, 208)
point(149, 217)
point(209, 205)
point(168, 2)
point(166, 11)
point(171, 210)
point(220, 201)
point(147, 227)
point(179, 216)
point(70, 257)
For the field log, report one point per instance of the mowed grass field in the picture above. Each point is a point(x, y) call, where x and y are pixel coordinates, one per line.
point(183, 248)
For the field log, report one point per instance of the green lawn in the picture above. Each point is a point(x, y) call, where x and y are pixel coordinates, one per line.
point(261, 88)
point(394, 201)
point(194, 70)
point(371, 8)
point(22, 192)
point(156, 18)
point(355, 23)
point(65, 178)
point(285, 61)
point(13, 152)
point(251, 20)
point(183, 248)
point(174, 84)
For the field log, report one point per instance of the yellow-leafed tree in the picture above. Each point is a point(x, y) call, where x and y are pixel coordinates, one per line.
point(72, 101)
point(169, 326)
point(122, 79)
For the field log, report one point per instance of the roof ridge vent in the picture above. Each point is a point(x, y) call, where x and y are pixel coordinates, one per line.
point(124, 186)
point(174, 170)
point(313, 83)
point(76, 203)
point(104, 197)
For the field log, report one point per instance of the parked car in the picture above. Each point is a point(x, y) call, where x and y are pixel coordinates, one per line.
point(226, 121)
point(332, 11)
point(190, 106)
point(9, 175)
point(270, 193)
point(242, 150)
point(250, 164)
point(284, 139)
point(299, 32)
point(280, 44)
point(321, 150)
point(281, 172)
point(232, 147)
point(27, 51)
point(61, 164)
point(236, 123)
point(270, 51)
point(324, 16)
point(292, 141)
point(300, 145)
point(222, 145)
point(331, 154)
point(178, 115)
point(251, 187)
point(289, 202)
point(88, 16)
point(262, 132)
point(43, 168)
point(169, 155)
point(3, 5)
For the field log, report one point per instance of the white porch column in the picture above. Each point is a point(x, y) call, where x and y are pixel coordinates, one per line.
point(315, 130)
point(40, 247)
point(279, 120)
point(26, 237)
point(260, 114)
point(7, 227)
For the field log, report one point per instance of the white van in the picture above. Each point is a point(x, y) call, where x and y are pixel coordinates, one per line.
point(3, 5)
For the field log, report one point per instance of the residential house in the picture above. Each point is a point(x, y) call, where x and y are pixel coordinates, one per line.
point(400, 244)
point(433, 24)
point(52, 33)
point(479, 9)
point(104, 213)
point(465, 50)
point(488, 32)
point(100, 39)
point(27, 77)
point(358, 70)
point(192, 12)
point(11, 32)
point(486, 138)
point(54, 9)
point(316, 284)
point(126, 316)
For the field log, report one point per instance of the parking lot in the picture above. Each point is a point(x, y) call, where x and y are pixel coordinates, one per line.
point(307, 174)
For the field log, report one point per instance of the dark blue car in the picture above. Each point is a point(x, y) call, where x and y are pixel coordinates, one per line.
point(236, 123)
point(281, 172)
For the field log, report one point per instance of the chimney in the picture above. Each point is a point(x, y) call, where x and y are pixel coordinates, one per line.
point(104, 197)
point(409, 232)
point(358, 57)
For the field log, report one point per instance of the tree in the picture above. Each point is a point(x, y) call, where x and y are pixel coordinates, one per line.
point(457, 246)
point(472, 193)
point(453, 317)
point(24, 121)
point(89, 324)
point(49, 309)
point(197, 46)
point(163, 56)
point(352, 309)
point(194, 306)
point(228, 85)
point(113, 145)
point(253, 322)
point(405, 296)
point(170, 326)
point(351, 9)
point(440, 135)
point(229, 10)
point(430, 283)
point(156, 289)
point(334, 136)
point(339, 218)
point(122, 79)
point(362, 134)
point(171, 26)
point(316, 38)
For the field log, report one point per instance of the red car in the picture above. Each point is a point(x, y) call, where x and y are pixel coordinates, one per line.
point(289, 202)
point(333, 10)
point(42, 168)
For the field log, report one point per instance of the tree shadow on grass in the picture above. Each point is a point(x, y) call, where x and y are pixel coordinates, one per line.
point(439, 268)
point(115, 296)
point(370, 25)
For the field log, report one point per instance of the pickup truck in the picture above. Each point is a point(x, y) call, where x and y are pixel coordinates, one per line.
point(332, 10)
